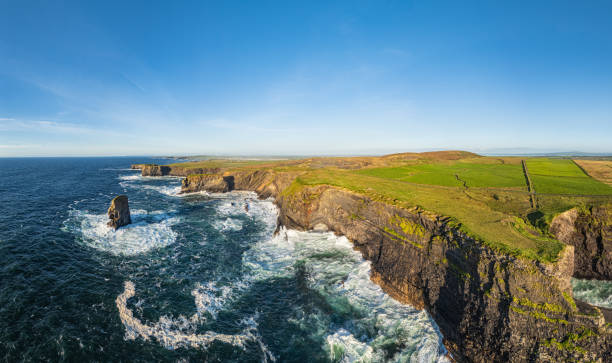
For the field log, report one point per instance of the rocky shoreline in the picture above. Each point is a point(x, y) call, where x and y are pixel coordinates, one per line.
point(489, 305)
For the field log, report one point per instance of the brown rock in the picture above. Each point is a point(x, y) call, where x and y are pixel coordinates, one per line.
point(208, 182)
point(589, 230)
point(490, 306)
point(119, 212)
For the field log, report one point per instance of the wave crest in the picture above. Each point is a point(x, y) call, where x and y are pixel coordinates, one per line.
point(148, 230)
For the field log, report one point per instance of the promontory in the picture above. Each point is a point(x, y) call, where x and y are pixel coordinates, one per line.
point(487, 245)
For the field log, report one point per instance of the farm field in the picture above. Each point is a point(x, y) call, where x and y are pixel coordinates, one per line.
point(486, 196)
point(598, 169)
point(563, 176)
point(477, 175)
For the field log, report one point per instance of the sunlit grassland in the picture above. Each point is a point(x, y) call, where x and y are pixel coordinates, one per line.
point(486, 197)
point(477, 218)
point(453, 174)
point(220, 163)
point(563, 176)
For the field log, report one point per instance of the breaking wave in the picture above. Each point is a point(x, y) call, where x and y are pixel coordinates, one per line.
point(148, 230)
point(339, 274)
point(228, 224)
point(594, 292)
point(378, 328)
point(130, 177)
point(172, 191)
point(170, 187)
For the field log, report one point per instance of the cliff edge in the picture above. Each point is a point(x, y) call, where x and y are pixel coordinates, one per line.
point(490, 304)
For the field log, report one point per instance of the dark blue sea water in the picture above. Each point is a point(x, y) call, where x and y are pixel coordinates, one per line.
point(195, 277)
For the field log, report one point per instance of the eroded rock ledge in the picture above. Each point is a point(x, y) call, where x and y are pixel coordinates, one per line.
point(490, 306)
point(589, 230)
point(164, 170)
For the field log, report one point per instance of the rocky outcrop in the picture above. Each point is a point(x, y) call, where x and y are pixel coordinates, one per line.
point(208, 182)
point(174, 170)
point(119, 212)
point(155, 170)
point(266, 184)
point(589, 230)
point(489, 305)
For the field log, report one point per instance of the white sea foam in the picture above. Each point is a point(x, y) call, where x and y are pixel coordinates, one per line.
point(344, 347)
point(138, 181)
point(205, 193)
point(172, 335)
point(235, 206)
point(240, 204)
point(335, 270)
point(130, 177)
point(595, 292)
point(210, 299)
point(172, 191)
point(148, 230)
point(340, 273)
point(228, 224)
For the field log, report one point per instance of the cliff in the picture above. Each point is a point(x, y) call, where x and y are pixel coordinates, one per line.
point(164, 170)
point(208, 182)
point(589, 230)
point(489, 305)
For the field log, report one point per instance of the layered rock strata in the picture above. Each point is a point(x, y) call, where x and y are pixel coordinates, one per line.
point(164, 170)
point(489, 305)
point(589, 230)
point(119, 212)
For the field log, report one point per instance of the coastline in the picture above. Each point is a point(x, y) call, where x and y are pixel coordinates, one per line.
point(488, 304)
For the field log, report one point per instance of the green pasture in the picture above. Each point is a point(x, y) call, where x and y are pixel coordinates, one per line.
point(476, 217)
point(563, 176)
point(475, 175)
point(495, 207)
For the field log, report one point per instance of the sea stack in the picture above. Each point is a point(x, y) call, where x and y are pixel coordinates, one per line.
point(119, 212)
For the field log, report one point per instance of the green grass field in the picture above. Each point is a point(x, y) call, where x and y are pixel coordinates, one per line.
point(477, 217)
point(495, 207)
point(562, 176)
point(219, 163)
point(475, 175)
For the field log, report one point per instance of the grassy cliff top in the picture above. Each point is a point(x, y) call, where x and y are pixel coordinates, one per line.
point(487, 196)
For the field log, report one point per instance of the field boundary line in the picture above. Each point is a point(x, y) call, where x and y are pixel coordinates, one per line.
point(493, 189)
point(530, 189)
point(583, 170)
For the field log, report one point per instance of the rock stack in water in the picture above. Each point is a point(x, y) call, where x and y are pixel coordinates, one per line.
point(119, 212)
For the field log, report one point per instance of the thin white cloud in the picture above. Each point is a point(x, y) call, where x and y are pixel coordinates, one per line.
point(9, 124)
point(18, 146)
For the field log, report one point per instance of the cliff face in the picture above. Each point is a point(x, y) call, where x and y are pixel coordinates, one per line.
point(209, 182)
point(264, 183)
point(590, 232)
point(490, 306)
point(164, 170)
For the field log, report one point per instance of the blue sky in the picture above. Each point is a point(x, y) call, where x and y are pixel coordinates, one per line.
point(309, 77)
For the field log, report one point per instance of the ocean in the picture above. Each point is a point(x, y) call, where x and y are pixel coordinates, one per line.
point(197, 277)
